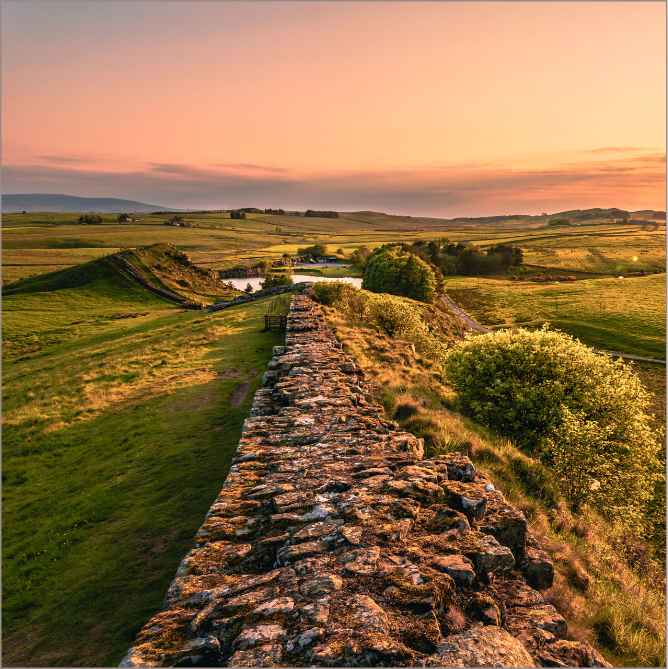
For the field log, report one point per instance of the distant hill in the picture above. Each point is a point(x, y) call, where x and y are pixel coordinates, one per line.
point(160, 269)
point(71, 203)
point(585, 214)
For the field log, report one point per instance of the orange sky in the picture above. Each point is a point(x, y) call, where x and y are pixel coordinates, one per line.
point(431, 108)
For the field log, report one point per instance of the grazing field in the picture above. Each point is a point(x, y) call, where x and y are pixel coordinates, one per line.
point(626, 315)
point(36, 243)
point(122, 410)
point(122, 413)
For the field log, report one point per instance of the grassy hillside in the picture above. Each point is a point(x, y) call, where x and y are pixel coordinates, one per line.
point(121, 414)
point(625, 315)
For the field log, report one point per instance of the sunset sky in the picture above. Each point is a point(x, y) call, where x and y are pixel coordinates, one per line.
point(443, 109)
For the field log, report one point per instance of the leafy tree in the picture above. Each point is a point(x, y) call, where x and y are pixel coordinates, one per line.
point(511, 256)
point(360, 256)
point(390, 271)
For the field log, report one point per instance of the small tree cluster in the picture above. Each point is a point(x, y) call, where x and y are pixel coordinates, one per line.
point(277, 279)
point(389, 270)
point(360, 256)
point(90, 219)
point(311, 213)
point(457, 258)
point(314, 251)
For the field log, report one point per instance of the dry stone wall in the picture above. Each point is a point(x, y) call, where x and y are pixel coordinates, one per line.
point(334, 543)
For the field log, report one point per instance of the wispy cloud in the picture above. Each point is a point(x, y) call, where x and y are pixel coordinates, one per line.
point(636, 181)
point(618, 149)
point(64, 160)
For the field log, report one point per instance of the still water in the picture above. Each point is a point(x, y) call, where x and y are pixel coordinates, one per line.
point(241, 283)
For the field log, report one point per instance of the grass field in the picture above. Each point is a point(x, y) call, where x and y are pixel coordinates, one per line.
point(122, 411)
point(118, 433)
point(35, 243)
point(625, 315)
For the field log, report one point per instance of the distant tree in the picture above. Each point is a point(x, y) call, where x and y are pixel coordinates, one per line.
point(511, 256)
point(315, 251)
point(90, 219)
point(360, 256)
point(321, 214)
point(276, 279)
point(124, 218)
point(238, 215)
point(249, 288)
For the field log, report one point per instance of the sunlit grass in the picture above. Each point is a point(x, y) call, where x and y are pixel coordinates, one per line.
point(118, 434)
point(625, 315)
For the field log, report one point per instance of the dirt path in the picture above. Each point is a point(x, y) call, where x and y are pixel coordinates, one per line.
point(468, 320)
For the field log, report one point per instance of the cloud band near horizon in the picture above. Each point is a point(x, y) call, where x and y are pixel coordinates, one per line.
point(626, 177)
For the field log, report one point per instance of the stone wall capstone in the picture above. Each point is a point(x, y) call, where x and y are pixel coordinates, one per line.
point(334, 543)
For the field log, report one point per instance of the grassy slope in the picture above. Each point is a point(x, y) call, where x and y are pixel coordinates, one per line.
point(606, 587)
point(625, 315)
point(118, 434)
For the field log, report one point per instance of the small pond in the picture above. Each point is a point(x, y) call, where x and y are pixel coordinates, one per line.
point(241, 283)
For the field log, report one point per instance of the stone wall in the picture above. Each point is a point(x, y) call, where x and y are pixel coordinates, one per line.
point(333, 542)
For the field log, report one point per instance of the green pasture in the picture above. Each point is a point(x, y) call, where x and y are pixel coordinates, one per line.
point(626, 315)
point(121, 414)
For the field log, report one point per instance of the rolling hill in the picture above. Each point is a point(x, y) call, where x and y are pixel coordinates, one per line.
point(15, 202)
point(159, 269)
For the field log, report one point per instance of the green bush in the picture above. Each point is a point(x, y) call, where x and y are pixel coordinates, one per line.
point(90, 219)
point(584, 413)
point(390, 271)
point(275, 279)
point(392, 315)
point(329, 292)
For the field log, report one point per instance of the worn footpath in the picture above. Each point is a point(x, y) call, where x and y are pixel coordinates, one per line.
point(333, 542)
